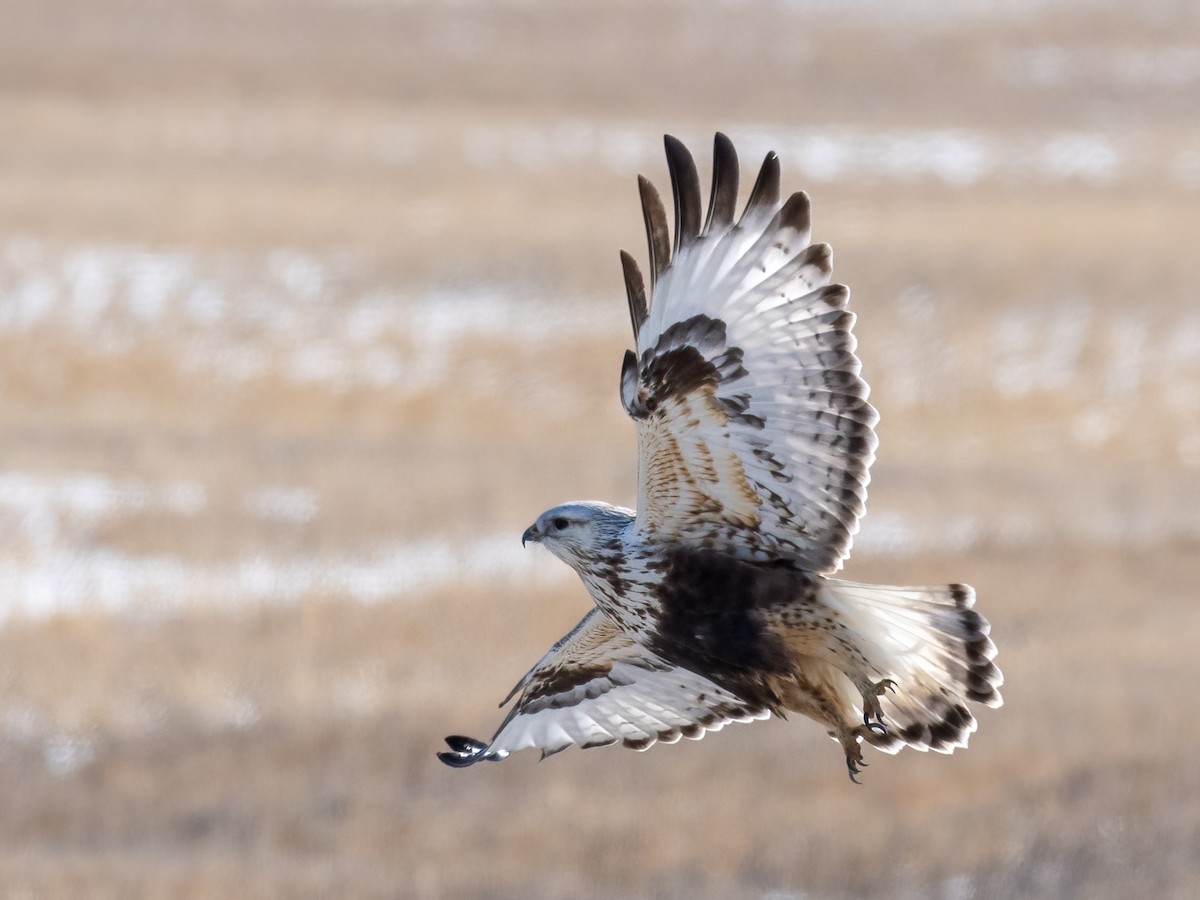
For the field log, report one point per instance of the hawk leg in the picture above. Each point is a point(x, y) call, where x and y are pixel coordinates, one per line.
point(851, 738)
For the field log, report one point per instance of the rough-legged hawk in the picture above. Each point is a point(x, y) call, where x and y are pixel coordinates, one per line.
point(713, 601)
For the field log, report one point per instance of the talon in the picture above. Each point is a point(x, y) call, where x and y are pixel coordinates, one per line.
point(872, 710)
point(853, 770)
point(853, 749)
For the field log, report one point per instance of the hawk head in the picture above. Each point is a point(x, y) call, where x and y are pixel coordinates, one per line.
point(581, 533)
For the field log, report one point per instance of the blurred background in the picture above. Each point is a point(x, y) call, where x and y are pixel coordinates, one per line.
point(309, 308)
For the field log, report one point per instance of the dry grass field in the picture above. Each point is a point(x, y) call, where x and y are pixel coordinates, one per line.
point(308, 308)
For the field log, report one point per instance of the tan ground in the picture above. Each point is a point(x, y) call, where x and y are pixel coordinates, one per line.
point(295, 297)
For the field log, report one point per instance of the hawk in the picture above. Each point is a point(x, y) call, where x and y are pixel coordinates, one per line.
point(714, 601)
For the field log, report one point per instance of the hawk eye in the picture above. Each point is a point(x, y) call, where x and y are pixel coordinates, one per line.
point(559, 523)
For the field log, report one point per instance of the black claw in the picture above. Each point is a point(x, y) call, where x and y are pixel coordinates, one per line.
point(854, 769)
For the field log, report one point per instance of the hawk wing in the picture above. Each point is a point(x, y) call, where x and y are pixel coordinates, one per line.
point(754, 430)
point(597, 687)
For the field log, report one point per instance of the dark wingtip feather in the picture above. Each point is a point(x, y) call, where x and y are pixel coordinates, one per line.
point(722, 203)
point(766, 186)
point(635, 291)
point(657, 236)
point(797, 212)
point(685, 187)
point(463, 752)
point(820, 258)
point(629, 385)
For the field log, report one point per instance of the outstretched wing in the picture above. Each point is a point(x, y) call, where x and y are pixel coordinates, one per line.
point(597, 687)
point(754, 429)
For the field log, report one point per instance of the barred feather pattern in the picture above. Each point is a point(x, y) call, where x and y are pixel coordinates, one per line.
point(933, 647)
point(754, 430)
point(598, 687)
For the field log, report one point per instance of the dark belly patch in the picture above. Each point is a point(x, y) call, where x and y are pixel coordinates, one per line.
point(711, 617)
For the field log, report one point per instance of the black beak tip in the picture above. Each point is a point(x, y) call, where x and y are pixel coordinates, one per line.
point(529, 535)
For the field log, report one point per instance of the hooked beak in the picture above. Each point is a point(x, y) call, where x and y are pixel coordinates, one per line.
point(531, 534)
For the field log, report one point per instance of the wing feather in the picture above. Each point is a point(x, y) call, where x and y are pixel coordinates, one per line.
point(722, 202)
point(754, 429)
point(765, 193)
point(595, 687)
point(658, 238)
point(635, 291)
point(685, 188)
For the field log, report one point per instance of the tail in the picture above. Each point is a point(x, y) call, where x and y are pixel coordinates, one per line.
point(934, 646)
